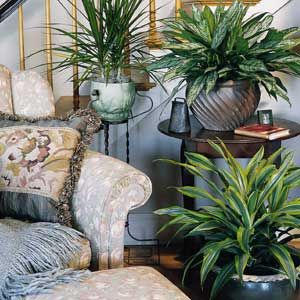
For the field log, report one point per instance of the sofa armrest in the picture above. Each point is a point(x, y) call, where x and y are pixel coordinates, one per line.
point(107, 190)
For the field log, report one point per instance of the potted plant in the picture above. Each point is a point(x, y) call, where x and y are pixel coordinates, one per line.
point(108, 44)
point(222, 57)
point(246, 233)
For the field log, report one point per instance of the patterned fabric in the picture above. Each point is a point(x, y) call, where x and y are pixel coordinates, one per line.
point(35, 159)
point(136, 283)
point(5, 90)
point(107, 190)
point(38, 161)
point(82, 260)
point(32, 95)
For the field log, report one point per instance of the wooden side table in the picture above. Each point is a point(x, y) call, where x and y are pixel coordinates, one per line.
point(240, 146)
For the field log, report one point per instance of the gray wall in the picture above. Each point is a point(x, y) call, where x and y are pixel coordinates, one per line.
point(147, 144)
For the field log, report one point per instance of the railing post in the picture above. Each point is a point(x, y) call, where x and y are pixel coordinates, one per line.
point(76, 101)
point(21, 38)
point(49, 43)
point(154, 40)
point(178, 7)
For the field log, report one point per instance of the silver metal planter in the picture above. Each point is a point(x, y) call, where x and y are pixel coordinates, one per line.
point(113, 101)
point(228, 106)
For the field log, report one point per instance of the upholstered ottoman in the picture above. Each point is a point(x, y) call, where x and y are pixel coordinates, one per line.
point(135, 283)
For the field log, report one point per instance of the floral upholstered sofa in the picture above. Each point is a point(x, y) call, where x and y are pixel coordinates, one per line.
point(106, 191)
point(107, 188)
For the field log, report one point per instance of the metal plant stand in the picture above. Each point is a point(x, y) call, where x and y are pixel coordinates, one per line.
point(155, 245)
point(106, 126)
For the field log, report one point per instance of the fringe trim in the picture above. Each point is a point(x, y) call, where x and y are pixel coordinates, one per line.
point(42, 283)
point(46, 249)
point(92, 125)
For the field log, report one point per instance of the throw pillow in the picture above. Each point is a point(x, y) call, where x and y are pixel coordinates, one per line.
point(40, 164)
point(5, 90)
point(32, 95)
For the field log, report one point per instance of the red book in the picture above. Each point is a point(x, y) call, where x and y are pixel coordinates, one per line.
point(267, 132)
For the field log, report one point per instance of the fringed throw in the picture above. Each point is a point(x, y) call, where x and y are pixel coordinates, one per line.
point(33, 257)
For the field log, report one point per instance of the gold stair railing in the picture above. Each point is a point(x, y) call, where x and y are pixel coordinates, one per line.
point(48, 43)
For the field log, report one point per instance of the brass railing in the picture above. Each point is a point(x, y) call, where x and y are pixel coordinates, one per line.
point(48, 43)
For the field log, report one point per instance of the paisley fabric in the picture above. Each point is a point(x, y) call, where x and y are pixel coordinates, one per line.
point(32, 95)
point(135, 283)
point(5, 90)
point(107, 190)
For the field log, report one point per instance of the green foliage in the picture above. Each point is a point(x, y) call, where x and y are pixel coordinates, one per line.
point(208, 47)
point(248, 228)
point(107, 31)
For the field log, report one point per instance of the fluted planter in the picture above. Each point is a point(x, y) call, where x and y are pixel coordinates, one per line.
point(228, 106)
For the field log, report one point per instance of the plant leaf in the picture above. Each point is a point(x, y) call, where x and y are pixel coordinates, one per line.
point(284, 259)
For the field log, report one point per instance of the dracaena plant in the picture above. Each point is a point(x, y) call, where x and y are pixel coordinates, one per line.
point(206, 48)
point(247, 230)
point(108, 33)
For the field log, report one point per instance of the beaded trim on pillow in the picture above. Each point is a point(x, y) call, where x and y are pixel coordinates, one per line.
point(39, 136)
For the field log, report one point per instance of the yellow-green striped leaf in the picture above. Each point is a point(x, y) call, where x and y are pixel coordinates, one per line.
point(283, 257)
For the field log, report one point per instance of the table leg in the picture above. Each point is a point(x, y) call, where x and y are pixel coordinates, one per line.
point(187, 179)
point(127, 143)
point(106, 138)
point(191, 244)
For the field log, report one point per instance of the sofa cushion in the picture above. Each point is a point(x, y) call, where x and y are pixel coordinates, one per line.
point(5, 90)
point(135, 283)
point(32, 95)
point(40, 163)
point(82, 260)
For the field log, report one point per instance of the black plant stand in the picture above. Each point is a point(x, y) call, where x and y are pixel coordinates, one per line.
point(106, 127)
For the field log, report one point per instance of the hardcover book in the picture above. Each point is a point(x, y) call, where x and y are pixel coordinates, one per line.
point(267, 132)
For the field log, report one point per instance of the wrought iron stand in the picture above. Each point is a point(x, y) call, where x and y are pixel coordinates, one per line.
point(106, 126)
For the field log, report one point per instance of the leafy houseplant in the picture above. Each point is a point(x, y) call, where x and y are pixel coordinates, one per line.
point(109, 41)
point(248, 230)
point(225, 54)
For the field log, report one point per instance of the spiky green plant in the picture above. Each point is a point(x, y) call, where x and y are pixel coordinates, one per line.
point(209, 47)
point(248, 228)
point(107, 31)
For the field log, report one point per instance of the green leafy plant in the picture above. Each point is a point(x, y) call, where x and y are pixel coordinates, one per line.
point(209, 47)
point(109, 33)
point(248, 228)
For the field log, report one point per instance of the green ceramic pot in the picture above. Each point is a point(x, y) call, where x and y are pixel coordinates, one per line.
point(273, 287)
point(114, 101)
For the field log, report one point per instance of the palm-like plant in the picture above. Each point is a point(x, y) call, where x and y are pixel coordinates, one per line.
point(109, 33)
point(248, 229)
point(209, 47)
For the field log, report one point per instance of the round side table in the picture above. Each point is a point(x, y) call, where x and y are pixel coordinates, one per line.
point(240, 146)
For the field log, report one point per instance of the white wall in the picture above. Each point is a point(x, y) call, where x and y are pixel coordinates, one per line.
point(147, 144)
